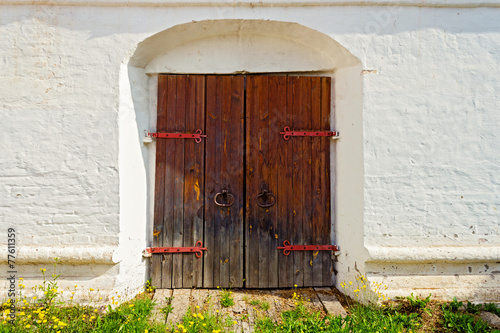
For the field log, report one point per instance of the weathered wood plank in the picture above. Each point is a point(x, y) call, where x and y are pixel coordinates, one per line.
point(285, 180)
point(226, 180)
point(178, 188)
point(235, 170)
point(198, 212)
point(318, 223)
point(219, 185)
point(252, 178)
point(330, 303)
point(210, 181)
point(159, 206)
point(325, 180)
point(264, 218)
point(189, 184)
point(161, 299)
point(297, 179)
point(193, 181)
point(170, 174)
point(307, 228)
point(180, 304)
point(276, 99)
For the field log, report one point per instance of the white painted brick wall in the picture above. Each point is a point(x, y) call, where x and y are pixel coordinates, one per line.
point(430, 115)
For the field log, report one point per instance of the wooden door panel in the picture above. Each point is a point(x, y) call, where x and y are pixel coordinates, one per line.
point(179, 179)
point(223, 264)
point(193, 180)
point(294, 171)
point(244, 154)
point(324, 234)
point(259, 229)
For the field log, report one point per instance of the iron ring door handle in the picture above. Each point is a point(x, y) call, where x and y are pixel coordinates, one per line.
point(265, 194)
point(229, 196)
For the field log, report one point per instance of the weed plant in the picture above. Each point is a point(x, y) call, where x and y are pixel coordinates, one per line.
point(458, 318)
point(45, 311)
point(203, 321)
point(226, 297)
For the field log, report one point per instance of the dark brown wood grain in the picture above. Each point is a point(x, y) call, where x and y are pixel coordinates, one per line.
point(318, 228)
point(193, 181)
point(199, 174)
point(263, 181)
point(307, 227)
point(286, 190)
point(235, 148)
point(170, 174)
point(224, 171)
point(297, 179)
point(226, 179)
point(158, 227)
point(276, 96)
point(179, 126)
point(210, 181)
point(325, 180)
point(285, 183)
point(252, 178)
point(243, 153)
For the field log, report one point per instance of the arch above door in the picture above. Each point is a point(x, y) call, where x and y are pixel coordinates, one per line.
point(240, 46)
point(256, 46)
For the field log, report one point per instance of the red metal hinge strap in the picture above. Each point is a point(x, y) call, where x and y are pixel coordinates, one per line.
point(287, 133)
point(287, 248)
point(196, 136)
point(197, 250)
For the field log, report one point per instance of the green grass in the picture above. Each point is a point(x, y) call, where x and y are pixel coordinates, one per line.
point(203, 322)
point(134, 316)
point(48, 314)
point(362, 319)
point(226, 297)
point(459, 318)
point(131, 316)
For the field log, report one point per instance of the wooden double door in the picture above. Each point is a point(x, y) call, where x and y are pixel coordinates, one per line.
point(243, 190)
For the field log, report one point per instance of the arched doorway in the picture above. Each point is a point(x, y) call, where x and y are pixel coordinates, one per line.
point(241, 47)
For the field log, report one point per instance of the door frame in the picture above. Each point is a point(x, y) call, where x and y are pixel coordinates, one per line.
point(153, 185)
point(137, 114)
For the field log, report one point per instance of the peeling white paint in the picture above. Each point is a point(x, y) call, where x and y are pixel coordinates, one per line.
point(417, 167)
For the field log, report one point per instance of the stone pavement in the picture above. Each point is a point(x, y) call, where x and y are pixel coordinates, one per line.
point(243, 312)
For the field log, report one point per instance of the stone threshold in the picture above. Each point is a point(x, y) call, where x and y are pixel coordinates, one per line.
point(243, 312)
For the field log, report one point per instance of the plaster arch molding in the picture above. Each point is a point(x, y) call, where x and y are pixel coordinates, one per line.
point(240, 46)
point(234, 47)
